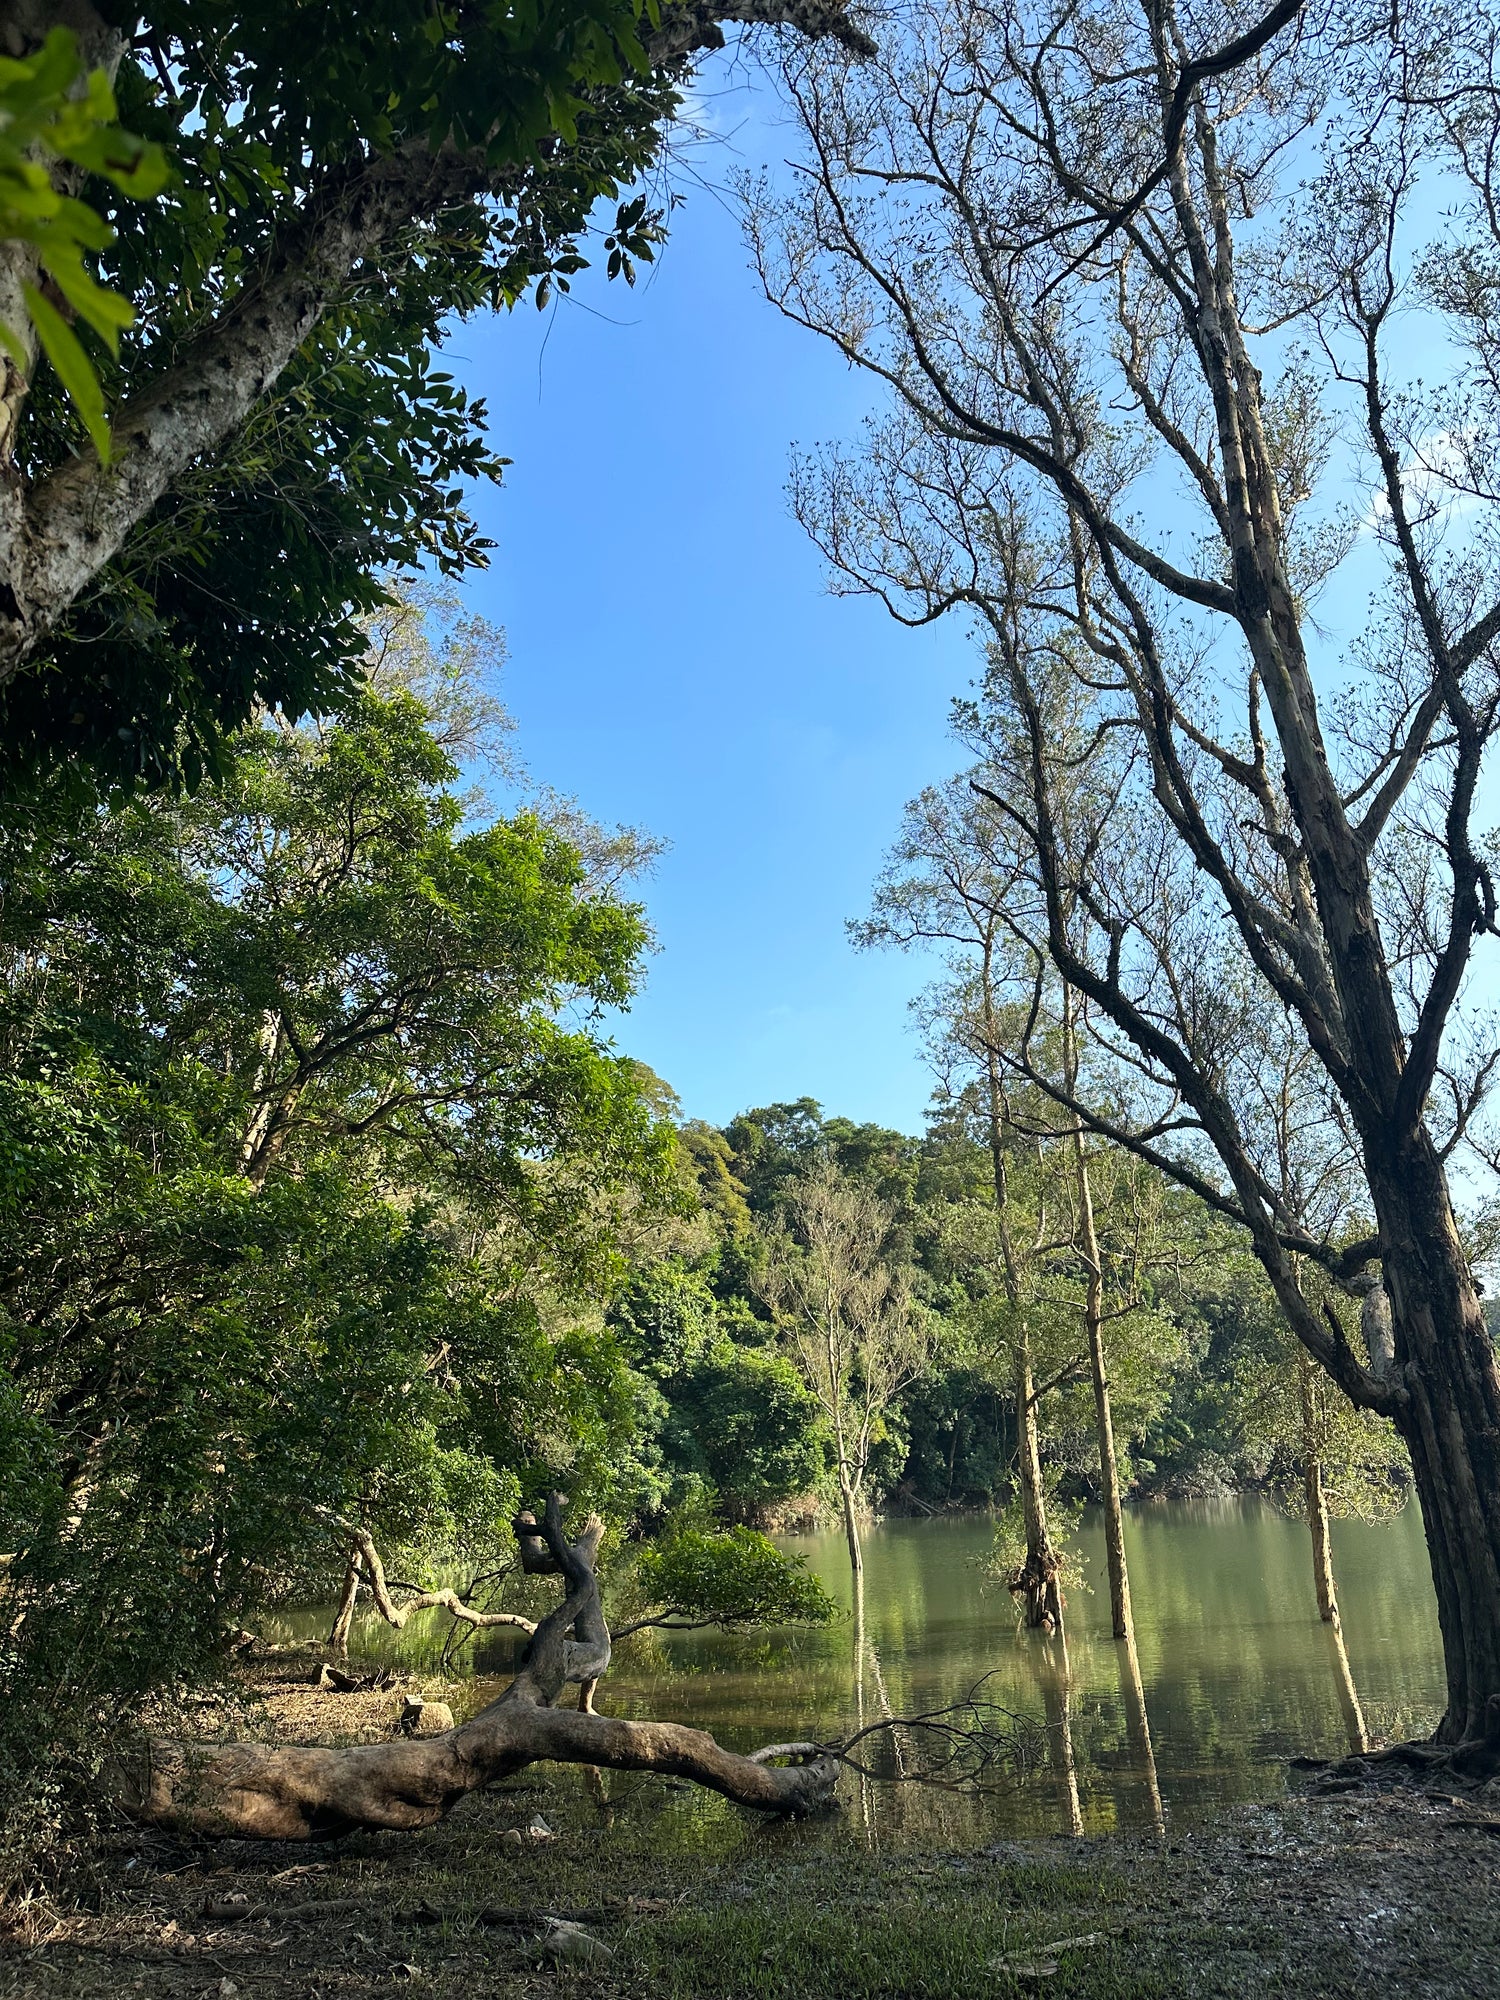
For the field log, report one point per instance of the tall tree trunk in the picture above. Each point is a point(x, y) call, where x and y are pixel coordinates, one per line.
point(849, 1505)
point(1315, 1499)
point(1035, 1583)
point(1093, 1319)
point(1449, 1417)
point(1109, 1477)
point(1104, 1422)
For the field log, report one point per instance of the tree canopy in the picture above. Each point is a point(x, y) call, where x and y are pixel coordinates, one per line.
point(343, 182)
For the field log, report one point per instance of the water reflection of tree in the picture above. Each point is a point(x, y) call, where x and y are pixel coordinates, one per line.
point(1348, 1693)
point(1138, 1726)
point(1054, 1674)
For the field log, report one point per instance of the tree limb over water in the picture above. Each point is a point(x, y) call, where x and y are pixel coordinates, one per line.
point(306, 1792)
point(262, 1791)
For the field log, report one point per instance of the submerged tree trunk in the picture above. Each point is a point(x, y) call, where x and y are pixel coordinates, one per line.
point(298, 1792)
point(848, 1491)
point(849, 1506)
point(1314, 1498)
point(1035, 1582)
point(1109, 1480)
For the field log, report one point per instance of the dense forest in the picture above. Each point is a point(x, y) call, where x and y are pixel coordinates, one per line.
point(348, 1259)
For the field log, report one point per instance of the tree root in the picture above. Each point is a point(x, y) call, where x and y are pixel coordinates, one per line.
point(1471, 1764)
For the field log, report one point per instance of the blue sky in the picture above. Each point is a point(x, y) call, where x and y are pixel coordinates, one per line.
point(676, 661)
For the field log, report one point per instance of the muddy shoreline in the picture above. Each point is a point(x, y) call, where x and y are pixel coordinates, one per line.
point(1363, 1892)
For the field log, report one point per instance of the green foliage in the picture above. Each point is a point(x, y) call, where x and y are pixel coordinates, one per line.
point(1235, 1415)
point(343, 961)
point(961, 1427)
point(755, 1428)
point(721, 1192)
point(309, 1189)
point(771, 1147)
point(665, 1318)
point(44, 118)
point(1064, 1512)
point(733, 1578)
point(246, 586)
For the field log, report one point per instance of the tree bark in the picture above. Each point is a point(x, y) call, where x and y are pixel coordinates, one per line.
point(1035, 1582)
point(262, 1791)
point(1109, 1473)
point(1449, 1417)
point(1093, 1320)
point(849, 1504)
point(254, 1791)
point(343, 1618)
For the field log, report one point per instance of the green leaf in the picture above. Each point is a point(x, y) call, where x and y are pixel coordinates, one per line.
point(74, 369)
point(105, 311)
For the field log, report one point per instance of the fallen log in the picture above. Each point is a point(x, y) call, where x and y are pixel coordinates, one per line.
point(262, 1791)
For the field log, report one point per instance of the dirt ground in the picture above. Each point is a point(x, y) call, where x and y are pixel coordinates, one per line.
point(621, 1891)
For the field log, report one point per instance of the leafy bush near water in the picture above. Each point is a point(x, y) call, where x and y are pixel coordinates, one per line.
point(733, 1578)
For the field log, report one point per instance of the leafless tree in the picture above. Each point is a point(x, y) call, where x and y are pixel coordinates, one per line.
point(1146, 282)
point(849, 1318)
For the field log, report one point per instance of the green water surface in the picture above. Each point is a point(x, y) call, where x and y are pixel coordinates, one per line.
point(1236, 1672)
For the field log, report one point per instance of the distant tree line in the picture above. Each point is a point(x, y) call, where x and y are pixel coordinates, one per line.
point(1203, 1372)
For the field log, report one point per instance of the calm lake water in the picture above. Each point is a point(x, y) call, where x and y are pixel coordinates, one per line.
point(1236, 1673)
